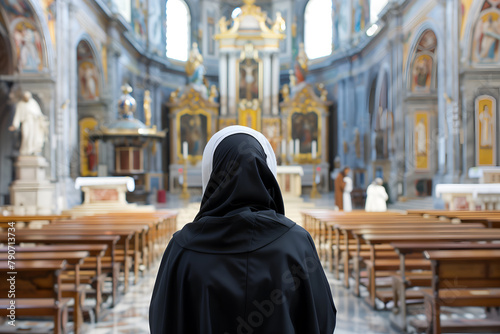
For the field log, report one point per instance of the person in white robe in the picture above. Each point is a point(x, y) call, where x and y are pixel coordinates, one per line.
point(347, 194)
point(376, 197)
point(33, 124)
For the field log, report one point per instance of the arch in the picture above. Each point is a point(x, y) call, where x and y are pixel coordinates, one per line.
point(484, 48)
point(439, 56)
point(424, 56)
point(36, 26)
point(89, 66)
point(178, 41)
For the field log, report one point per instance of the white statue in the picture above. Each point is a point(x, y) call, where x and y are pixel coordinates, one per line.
point(33, 125)
point(421, 138)
point(486, 127)
point(347, 194)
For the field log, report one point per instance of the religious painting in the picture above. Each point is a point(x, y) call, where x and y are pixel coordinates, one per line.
point(28, 44)
point(139, 14)
point(304, 126)
point(486, 39)
point(193, 127)
point(49, 7)
point(271, 129)
point(249, 117)
point(423, 68)
point(421, 141)
point(89, 150)
point(485, 112)
point(249, 79)
point(225, 122)
point(88, 77)
point(360, 15)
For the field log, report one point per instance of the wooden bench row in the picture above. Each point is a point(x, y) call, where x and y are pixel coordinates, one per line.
point(88, 251)
point(361, 241)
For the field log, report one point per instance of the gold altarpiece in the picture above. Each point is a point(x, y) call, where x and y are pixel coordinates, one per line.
point(193, 120)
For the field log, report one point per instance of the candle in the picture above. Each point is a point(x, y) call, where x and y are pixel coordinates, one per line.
point(313, 149)
point(283, 147)
point(297, 147)
point(185, 149)
point(290, 147)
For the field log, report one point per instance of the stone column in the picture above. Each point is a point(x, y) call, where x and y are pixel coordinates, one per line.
point(266, 108)
point(232, 83)
point(275, 84)
point(223, 83)
point(454, 123)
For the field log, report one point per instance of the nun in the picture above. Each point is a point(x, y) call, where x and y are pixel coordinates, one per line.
point(241, 266)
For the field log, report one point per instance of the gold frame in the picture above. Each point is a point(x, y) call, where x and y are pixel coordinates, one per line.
point(86, 124)
point(192, 158)
point(256, 115)
point(306, 157)
point(261, 78)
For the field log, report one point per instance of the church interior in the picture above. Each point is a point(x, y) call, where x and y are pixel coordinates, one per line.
point(106, 107)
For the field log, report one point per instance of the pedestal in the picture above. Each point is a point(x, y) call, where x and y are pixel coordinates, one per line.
point(31, 193)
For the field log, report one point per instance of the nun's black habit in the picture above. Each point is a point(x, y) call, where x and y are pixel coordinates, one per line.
point(241, 266)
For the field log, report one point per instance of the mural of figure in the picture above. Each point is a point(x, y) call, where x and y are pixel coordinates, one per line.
point(422, 72)
point(490, 38)
point(27, 41)
point(88, 81)
point(486, 122)
point(33, 124)
point(421, 137)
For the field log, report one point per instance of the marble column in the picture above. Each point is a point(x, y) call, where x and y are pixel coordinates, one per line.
point(223, 83)
point(275, 85)
point(452, 49)
point(232, 83)
point(266, 105)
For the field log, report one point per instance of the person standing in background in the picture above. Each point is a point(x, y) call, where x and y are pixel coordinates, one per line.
point(347, 201)
point(339, 188)
point(376, 197)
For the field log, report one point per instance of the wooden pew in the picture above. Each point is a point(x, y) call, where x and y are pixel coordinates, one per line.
point(139, 240)
point(5, 220)
point(96, 251)
point(462, 278)
point(109, 240)
point(391, 228)
point(37, 291)
point(375, 239)
point(404, 280)
point(73, 261)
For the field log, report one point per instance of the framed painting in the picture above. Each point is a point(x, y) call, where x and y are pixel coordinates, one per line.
point(249, 79)
point(485, 129)
point(304, 126)
point(89, 150)
point(193, 127)
point(421, 141)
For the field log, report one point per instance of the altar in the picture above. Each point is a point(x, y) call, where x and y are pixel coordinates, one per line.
point(473, 197)
point(105, 194)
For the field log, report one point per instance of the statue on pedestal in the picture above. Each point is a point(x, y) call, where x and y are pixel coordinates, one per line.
point(33, 124)
point(196, 71)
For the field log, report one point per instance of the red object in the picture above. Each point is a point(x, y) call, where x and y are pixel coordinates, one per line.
point(161, 196)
